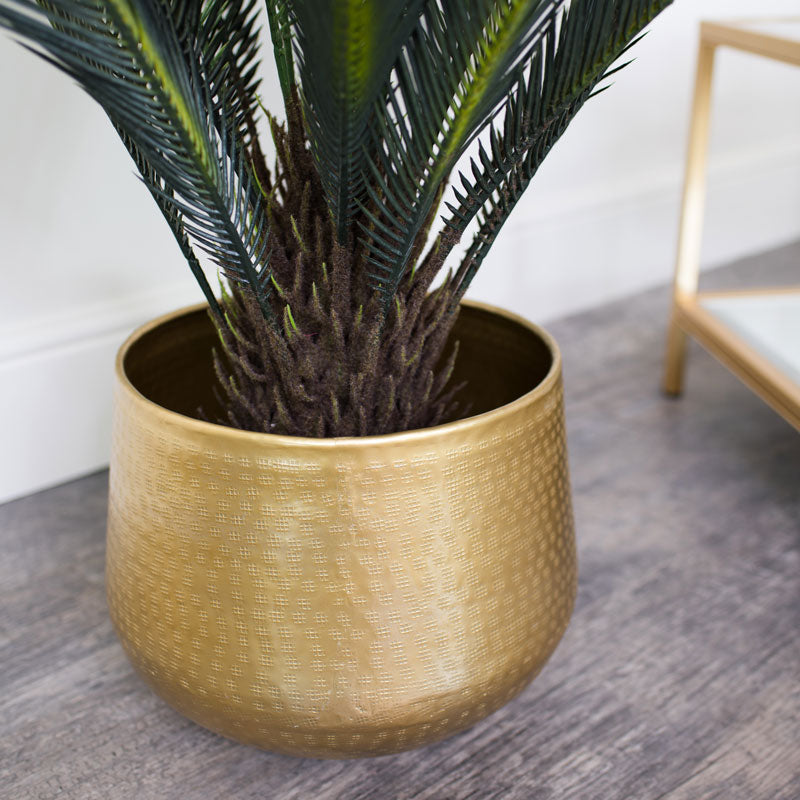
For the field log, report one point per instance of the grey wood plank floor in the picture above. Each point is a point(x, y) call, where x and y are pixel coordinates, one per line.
point(678, 678)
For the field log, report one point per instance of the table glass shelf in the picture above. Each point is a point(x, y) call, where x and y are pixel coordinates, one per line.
point(769, 322)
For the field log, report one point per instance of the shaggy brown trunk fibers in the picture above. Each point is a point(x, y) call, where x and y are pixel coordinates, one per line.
point(337, 363)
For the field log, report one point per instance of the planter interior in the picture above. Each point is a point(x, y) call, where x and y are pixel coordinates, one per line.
point(500, 360)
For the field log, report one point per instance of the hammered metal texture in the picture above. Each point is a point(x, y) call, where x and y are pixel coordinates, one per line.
point(338, 598)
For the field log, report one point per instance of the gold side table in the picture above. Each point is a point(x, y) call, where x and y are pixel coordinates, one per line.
point(756, 332)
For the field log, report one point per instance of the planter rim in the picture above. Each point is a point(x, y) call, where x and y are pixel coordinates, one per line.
point(340, 442)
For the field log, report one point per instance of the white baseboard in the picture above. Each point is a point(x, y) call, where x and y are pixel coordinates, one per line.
point(56, 404)
point(56, 373)
point(55, 389)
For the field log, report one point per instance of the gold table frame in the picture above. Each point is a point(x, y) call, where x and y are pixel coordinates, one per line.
point(688, 316)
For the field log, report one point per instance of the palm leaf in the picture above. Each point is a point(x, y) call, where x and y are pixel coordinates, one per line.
point(457, 66)
point(128, 56)
point(158, 190)
point(563, 74)
point(226, 38)
point(345, 52)
point(186, 16)
point(281, 31)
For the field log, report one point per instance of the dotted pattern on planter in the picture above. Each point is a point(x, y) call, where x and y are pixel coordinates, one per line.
point(340, 602)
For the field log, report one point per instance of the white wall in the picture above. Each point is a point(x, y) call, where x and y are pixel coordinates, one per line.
point(85, 255)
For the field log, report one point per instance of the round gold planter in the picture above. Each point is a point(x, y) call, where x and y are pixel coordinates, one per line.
point(340, 597)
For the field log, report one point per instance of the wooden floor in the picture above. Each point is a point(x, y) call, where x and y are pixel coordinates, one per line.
point(678, 678)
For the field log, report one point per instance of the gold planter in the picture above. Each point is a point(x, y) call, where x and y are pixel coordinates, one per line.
point(340, 597)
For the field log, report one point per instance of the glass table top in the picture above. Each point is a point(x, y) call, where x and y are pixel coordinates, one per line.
point(768, 321)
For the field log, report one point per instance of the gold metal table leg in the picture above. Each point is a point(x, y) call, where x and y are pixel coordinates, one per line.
point(690, 232)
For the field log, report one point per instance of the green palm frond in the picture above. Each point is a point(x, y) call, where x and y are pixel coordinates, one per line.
point(227, 37)
point(563, 73)
point(156, 89)
point(280, 28)
point(458, 65)
point(346, 50)
point(158, 190)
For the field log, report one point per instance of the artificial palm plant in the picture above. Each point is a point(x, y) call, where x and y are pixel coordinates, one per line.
point(327, 319)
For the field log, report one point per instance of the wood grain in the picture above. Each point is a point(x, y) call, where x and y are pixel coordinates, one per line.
point(678, 679)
